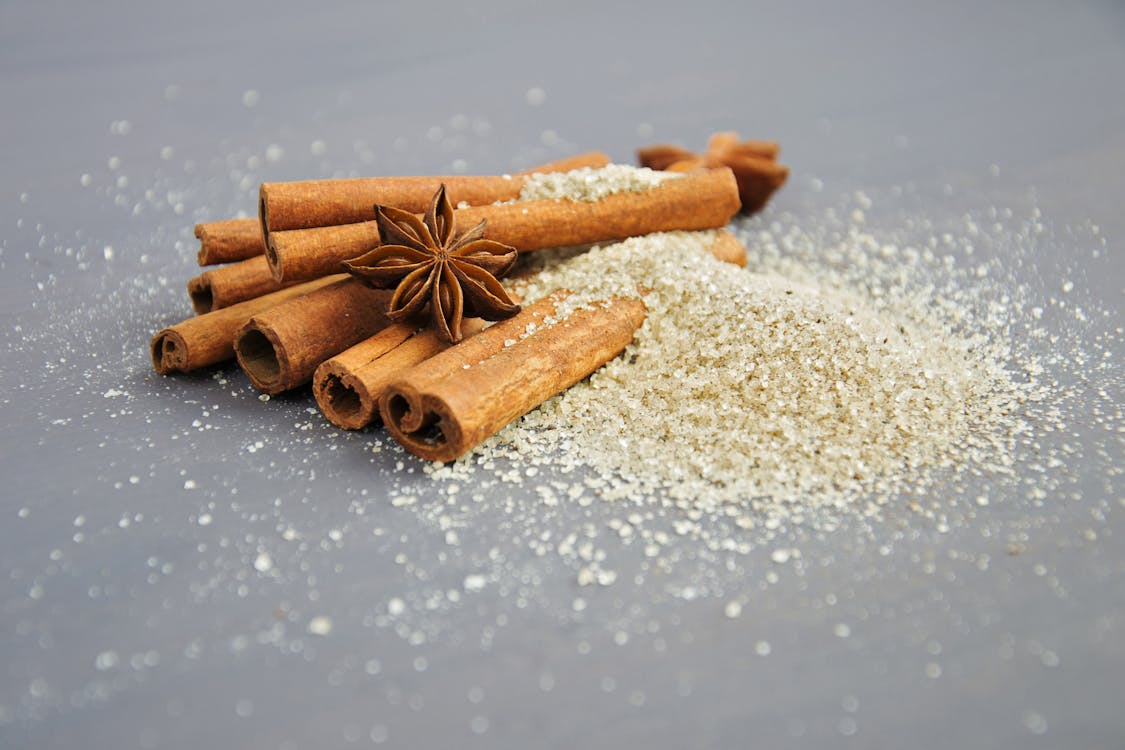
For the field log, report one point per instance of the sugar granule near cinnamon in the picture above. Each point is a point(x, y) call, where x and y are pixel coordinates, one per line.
point(589, 184)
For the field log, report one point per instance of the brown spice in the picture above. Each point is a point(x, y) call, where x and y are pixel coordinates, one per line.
point(348, 386)
point(281, 347)
point(229, 241)
point(208, 339)
point(224, 286)
point(427, 264)
point(754, 164)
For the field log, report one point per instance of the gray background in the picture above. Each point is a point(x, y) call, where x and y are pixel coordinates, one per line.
point(134, 507)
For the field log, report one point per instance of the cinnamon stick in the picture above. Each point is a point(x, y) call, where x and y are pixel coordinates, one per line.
point(758, 179)
point(229, 241)
point(347, 387)
point(321, 203)
point(208, 339)
point(703, 199)
point(280, 347)
point(754, 164)
point(224, 286)
point(443, 407)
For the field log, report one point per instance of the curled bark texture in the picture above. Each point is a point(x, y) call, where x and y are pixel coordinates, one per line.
point(348, 386)
point(229, 241)
point(281, 347)
point(703, 199)
point(224, 286)
point(208, 339)
point(443, 407)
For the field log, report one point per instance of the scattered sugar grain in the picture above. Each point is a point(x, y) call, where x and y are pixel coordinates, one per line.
point(263, 563)
point(320, 625)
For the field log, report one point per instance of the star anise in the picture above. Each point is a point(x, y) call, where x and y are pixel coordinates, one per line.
point(754, 164)
point(427, 264)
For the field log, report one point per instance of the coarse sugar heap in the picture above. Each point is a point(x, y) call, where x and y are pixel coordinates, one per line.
point(753, 387)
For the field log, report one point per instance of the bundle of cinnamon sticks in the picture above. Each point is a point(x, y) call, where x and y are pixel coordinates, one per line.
point(281, 307)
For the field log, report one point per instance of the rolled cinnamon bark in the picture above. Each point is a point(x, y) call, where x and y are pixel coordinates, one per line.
point(347, 387)
point(308, 253)
point(208, 339)
point(282, 346)
point(322, 203)
point(224, 286)
point(443, 407)
point(704, 199)
point(229, 241)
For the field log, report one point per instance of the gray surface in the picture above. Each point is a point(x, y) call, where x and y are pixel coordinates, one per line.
point(150, 629)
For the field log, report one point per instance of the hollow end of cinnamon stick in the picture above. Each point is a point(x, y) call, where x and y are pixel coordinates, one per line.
point(228, 241)
point(344, 401)
point(281, 347)
point(208, 339)
point(230, 284)
point(201, 294)
point(262, 358)
point(423, 424)
point(348, 386)
point(169, 352)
